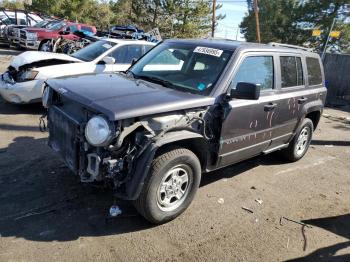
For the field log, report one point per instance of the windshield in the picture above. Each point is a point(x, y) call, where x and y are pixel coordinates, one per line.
point(56, 26)
point(93, 50)
point(186, 67)
point(41, 24)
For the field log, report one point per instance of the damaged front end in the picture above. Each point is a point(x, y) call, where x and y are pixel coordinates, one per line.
point(117, 152)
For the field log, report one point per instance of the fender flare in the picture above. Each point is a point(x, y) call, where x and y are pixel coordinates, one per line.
point(308, 108)
point(140, 171)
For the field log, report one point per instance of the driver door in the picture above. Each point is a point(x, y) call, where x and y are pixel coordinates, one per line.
point(247, 128)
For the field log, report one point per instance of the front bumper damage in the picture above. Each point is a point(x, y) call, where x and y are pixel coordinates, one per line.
point(20, 92)
point(125, 162)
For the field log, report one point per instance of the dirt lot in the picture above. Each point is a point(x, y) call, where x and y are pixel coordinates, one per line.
point(47, 215)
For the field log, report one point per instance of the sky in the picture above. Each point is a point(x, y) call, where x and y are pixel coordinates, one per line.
point(235, 11)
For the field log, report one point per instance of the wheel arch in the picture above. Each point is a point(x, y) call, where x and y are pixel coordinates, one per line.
point(187, 139)
point(315, 117)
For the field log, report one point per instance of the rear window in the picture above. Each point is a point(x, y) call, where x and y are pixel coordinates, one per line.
point(291, 71)
point(314, 71)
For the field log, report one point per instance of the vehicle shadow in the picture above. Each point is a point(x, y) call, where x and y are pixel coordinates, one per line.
point(41, 200)
point(338, 225)
point(330, 143)
point(27, 109)
point(241, 167)
point(7, 51)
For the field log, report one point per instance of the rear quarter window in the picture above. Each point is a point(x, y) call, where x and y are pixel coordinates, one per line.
point(314, 71)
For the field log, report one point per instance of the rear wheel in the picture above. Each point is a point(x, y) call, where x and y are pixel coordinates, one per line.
point(170, 187)
point(300, 143)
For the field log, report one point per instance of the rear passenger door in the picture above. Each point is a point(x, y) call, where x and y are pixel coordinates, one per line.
point(291, 83)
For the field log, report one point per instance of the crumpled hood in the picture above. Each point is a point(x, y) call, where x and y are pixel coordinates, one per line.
point(120, 97)
point(30, 57)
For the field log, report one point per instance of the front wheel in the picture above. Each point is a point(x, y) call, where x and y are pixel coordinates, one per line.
point(300, 144)
point(170, 186)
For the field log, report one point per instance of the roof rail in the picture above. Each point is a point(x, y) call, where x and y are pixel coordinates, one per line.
point(289, 46)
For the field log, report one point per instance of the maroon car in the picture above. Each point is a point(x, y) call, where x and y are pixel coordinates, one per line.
point(42, 38)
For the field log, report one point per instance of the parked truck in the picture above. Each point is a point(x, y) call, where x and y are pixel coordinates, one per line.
point(43, 39)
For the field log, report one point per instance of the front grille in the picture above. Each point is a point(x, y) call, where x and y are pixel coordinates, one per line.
point(23, 34)
point(64, 136)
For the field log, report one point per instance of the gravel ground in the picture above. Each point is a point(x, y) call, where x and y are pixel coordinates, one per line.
point(47, 215)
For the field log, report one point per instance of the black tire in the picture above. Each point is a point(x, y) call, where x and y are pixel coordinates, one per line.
point(292, 152)
point(148, 204)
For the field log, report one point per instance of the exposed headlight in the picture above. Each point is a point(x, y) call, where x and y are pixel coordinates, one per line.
point(27, 75)
point(45, 97)
point(32, 36)
point(98, 131)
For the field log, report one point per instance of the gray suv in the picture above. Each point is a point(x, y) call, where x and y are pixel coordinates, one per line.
point(186, 108)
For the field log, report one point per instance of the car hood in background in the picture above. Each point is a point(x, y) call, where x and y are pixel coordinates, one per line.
point(30, 57)
point(119, 97)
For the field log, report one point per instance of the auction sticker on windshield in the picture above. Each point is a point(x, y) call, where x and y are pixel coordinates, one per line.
point(208, 51)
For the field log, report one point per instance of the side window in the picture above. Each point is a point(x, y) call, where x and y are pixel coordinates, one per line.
point(71, 28)
point(291, 71)
point(314, 71)
point(257, 70)
point(148, 47)
point(23, 22)
point(125, 54)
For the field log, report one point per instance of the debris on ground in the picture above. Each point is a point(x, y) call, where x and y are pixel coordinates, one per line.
point(253, 188)
point(114, 211)
point(304, 237)
point(247, 209)
point(294, 221)
point(259, 201)
point(221, 200)
point(210, 196)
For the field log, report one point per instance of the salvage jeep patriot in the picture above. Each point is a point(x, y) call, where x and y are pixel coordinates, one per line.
point(185, 108)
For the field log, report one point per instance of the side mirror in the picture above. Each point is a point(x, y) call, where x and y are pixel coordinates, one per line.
point(108, 60)
point(246, 91)
point(133, 61)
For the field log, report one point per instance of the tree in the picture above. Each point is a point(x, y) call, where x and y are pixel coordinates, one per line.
point(17, 4)
point(292, 21)
point(279, 22)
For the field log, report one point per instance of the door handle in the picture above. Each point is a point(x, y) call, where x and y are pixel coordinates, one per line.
point(302, 100)
point(270, 106)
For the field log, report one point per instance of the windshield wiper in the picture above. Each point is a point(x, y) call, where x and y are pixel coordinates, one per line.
point(154, 79)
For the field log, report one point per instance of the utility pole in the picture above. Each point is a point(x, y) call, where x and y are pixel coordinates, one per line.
point(328, 38)
point(213, 19)
point(256, 11)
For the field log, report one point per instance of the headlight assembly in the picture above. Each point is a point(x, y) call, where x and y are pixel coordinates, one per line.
point(27, 75)
point(32, 36)
point(98, 131)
